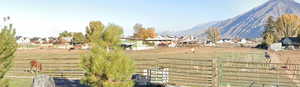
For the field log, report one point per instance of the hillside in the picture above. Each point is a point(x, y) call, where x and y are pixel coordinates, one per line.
point(249, 24)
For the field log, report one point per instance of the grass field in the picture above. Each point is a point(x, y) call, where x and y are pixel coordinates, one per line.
point(20, 82)
point(242, 54)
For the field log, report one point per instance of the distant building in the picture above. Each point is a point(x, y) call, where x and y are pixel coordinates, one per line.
point(243, 41)
point(162, 41)
point(290, 41)
point(225, 41)
point(23, 40)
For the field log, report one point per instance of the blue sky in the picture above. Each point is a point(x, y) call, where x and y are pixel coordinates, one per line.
point(49, 17)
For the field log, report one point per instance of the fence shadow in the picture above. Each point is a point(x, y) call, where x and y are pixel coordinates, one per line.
point(64, 82)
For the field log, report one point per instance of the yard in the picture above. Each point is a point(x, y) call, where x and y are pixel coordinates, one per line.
point(23, 56)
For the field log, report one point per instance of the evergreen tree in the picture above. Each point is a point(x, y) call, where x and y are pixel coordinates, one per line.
point(8, 48)
point(106, 65)
point(269, 35)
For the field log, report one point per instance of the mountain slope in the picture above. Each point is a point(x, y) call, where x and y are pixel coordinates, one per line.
point(250, 24)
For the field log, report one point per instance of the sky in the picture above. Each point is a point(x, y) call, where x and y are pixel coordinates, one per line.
point(45, 18)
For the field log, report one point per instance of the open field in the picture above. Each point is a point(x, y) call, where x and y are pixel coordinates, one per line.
point(239, 54)
point(56, 61)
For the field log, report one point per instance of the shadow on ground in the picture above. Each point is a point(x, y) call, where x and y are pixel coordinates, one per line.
point(63, 82)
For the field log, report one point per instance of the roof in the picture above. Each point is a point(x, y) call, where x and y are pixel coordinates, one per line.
point(290, 41)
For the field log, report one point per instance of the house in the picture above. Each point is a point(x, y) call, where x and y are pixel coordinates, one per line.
point(290, 42)
point(162, 41)
point(135, 44)
point(65, 40)
point(225, 41)
point(23, 40)
point(209, 43)
point(243, 41)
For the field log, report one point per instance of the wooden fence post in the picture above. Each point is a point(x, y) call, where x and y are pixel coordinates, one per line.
point(215, 75)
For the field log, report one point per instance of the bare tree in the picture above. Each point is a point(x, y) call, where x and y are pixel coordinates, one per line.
point(213, 34)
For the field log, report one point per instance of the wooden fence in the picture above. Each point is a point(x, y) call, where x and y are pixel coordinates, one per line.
point(199, 72)
point(55, 67)
point(196, 72)
point(187, 72)
point(253, 74)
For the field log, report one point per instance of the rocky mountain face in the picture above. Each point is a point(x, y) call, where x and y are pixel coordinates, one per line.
point(248, 25)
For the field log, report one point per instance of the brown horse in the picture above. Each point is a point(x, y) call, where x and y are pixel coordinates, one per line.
point(35, 66)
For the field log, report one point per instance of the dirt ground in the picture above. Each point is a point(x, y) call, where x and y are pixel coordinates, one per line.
point(242, 54)
point(206, 52)
point(289, 56)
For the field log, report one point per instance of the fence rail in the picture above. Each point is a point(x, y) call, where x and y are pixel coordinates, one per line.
point(197, 72)
point(207, 72)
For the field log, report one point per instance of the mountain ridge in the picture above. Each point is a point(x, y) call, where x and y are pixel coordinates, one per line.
point(247, 25)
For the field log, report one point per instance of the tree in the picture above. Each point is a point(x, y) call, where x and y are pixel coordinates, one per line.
point(288, 25)
point(137, 28)
point(269, 35)
point(213, 34)
point(144, 33)
point(8, 48)
point(65, 34)
point(151, 32)
point(94, 30)
point(78, 38)
point(111, 36)
point(106, 65)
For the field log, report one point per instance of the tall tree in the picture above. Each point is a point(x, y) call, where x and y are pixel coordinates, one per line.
point(137, 28)
point(213, 34)
point(269, 35)
point(111, 36)
point(144, 33)
point(103, 67)
point(65, 34)
point(94, 31)
point(8, 48)
point(288, 25)
point(151, 32)
point(78, 38)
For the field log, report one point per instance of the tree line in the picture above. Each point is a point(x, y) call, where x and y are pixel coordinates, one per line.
point(140, 32)
point(287, 25)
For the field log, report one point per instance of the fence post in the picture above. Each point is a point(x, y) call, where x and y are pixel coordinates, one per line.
point(215, 75)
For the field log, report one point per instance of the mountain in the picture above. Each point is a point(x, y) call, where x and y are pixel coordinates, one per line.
point(249, 24)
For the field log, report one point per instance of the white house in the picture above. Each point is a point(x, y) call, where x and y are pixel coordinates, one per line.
point(23, 40)
point(243, 41)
